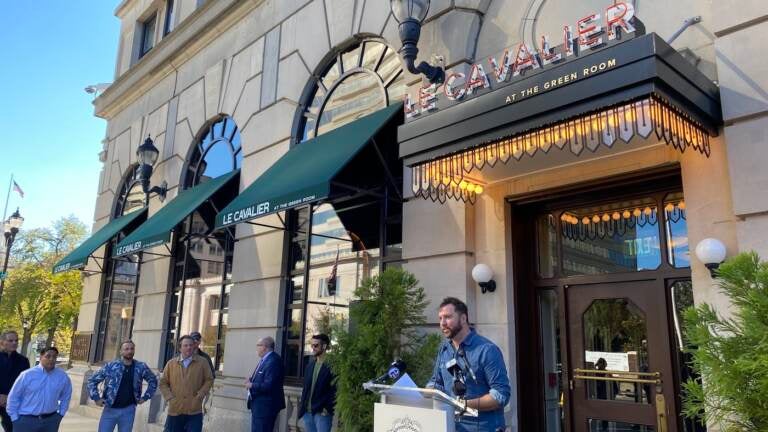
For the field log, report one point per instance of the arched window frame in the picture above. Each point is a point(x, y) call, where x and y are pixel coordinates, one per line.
point(305, 119)
point(130, 187)
point(299, 222)
point(184, 242)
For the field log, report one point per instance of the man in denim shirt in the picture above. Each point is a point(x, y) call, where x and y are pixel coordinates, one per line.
point(487, 384)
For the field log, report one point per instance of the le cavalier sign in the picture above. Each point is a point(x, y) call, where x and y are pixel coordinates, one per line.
point(592, 33)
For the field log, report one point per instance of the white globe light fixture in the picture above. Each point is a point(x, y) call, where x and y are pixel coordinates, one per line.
point(483, 275)
point(711, 252)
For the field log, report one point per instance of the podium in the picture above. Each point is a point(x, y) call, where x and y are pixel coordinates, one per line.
point(415, 409)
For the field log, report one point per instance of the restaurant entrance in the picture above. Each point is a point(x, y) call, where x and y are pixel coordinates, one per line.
point(606, 274)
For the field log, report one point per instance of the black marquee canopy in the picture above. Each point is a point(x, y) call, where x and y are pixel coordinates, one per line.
point(636, 87)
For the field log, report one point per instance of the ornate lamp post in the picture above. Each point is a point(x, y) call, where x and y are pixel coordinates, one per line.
point(11, 228)
point(410, 14)
point(147, 155)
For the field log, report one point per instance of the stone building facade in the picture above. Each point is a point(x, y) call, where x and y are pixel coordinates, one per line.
point(263, 76)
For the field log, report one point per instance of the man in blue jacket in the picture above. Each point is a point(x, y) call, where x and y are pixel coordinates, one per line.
point(318, 396)
point(265, 387)
point(122, 380)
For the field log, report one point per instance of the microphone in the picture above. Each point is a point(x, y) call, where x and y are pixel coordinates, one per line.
point(463, 355)
point(459, 385)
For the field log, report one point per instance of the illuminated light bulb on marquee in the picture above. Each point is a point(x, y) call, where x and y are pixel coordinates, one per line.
point(642, 118)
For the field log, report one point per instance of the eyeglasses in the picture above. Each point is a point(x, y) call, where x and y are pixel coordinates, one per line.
point(314, 345)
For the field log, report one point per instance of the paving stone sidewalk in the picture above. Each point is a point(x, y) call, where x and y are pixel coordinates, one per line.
point(76, 423)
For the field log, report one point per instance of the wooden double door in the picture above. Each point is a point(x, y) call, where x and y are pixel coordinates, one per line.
point(600, 287)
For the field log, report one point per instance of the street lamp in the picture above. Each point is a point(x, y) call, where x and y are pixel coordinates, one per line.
point(410, 14)
point(10, 229)
point(147, 155)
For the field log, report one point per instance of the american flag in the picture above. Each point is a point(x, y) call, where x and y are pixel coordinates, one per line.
point(17, 188)
point(332, 276)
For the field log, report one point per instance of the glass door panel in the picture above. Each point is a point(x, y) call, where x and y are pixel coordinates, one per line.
point(621, 376)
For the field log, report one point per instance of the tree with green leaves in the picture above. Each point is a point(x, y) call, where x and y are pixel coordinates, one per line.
point(384, 324)
point(36, 300)
point(731, 353)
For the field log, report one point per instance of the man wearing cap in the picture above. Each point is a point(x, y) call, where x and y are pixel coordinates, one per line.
point(198, 338)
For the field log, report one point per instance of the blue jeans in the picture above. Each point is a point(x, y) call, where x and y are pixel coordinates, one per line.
point(185, 423)
point(317, 422)
point(120, 417)
point(35, 424)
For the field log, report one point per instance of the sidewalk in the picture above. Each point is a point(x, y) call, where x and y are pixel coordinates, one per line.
point(74, 422)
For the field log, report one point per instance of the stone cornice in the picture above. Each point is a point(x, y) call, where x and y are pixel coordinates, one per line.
point(120, 9)
point(190, 37)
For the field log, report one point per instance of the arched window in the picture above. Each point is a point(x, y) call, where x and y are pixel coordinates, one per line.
point(340, 243)
point(202, 270)
point(355, 82)
point(119, 286)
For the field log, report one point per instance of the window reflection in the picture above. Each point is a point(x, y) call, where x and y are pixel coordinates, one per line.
point(619, 237)
point(121, 282)
point(549, 322)
point(681, 296)
point(203, 262)
point(341, 256)
point(368, 77)
point(676, 226)
point(614, 426)
point(346, 243)
point(358, 95)
point(546, 238)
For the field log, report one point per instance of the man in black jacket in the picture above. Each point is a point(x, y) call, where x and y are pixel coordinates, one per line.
point(319, 394)
point(12, 364)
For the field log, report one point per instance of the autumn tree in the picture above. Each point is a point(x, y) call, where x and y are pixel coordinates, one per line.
point(36, 300)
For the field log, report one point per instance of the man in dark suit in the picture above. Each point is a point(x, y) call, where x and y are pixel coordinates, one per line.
point(12, 364)
point(265, 387)
point(318, 396)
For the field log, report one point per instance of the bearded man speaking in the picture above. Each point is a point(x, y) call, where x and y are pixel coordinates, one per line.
point(472, 368)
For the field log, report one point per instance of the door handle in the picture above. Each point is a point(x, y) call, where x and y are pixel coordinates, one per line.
point(622, 376)
point(631, 377)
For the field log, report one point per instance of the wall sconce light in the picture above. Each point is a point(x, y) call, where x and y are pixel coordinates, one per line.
point(711, 252)
point(410, 14)
point(483, 275)
point(147, 155)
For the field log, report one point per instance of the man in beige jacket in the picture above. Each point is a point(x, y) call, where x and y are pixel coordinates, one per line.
point(185, 382)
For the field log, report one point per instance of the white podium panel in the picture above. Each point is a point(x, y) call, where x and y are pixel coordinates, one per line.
point(399, 418)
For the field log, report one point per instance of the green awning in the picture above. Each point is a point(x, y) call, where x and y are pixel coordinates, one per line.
point(78, 258)
point(157, 229)
point(304, 174)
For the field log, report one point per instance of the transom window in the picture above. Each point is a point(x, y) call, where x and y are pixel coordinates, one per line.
point(203, 258)
point(333, 246)
point(356, 82)
point(617, 237)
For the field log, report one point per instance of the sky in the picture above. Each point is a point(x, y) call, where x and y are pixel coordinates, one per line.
point(52, 50)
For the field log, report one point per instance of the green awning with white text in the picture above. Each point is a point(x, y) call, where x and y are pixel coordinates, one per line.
point(78, 258)
point(304, 174)
point(157, 229)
